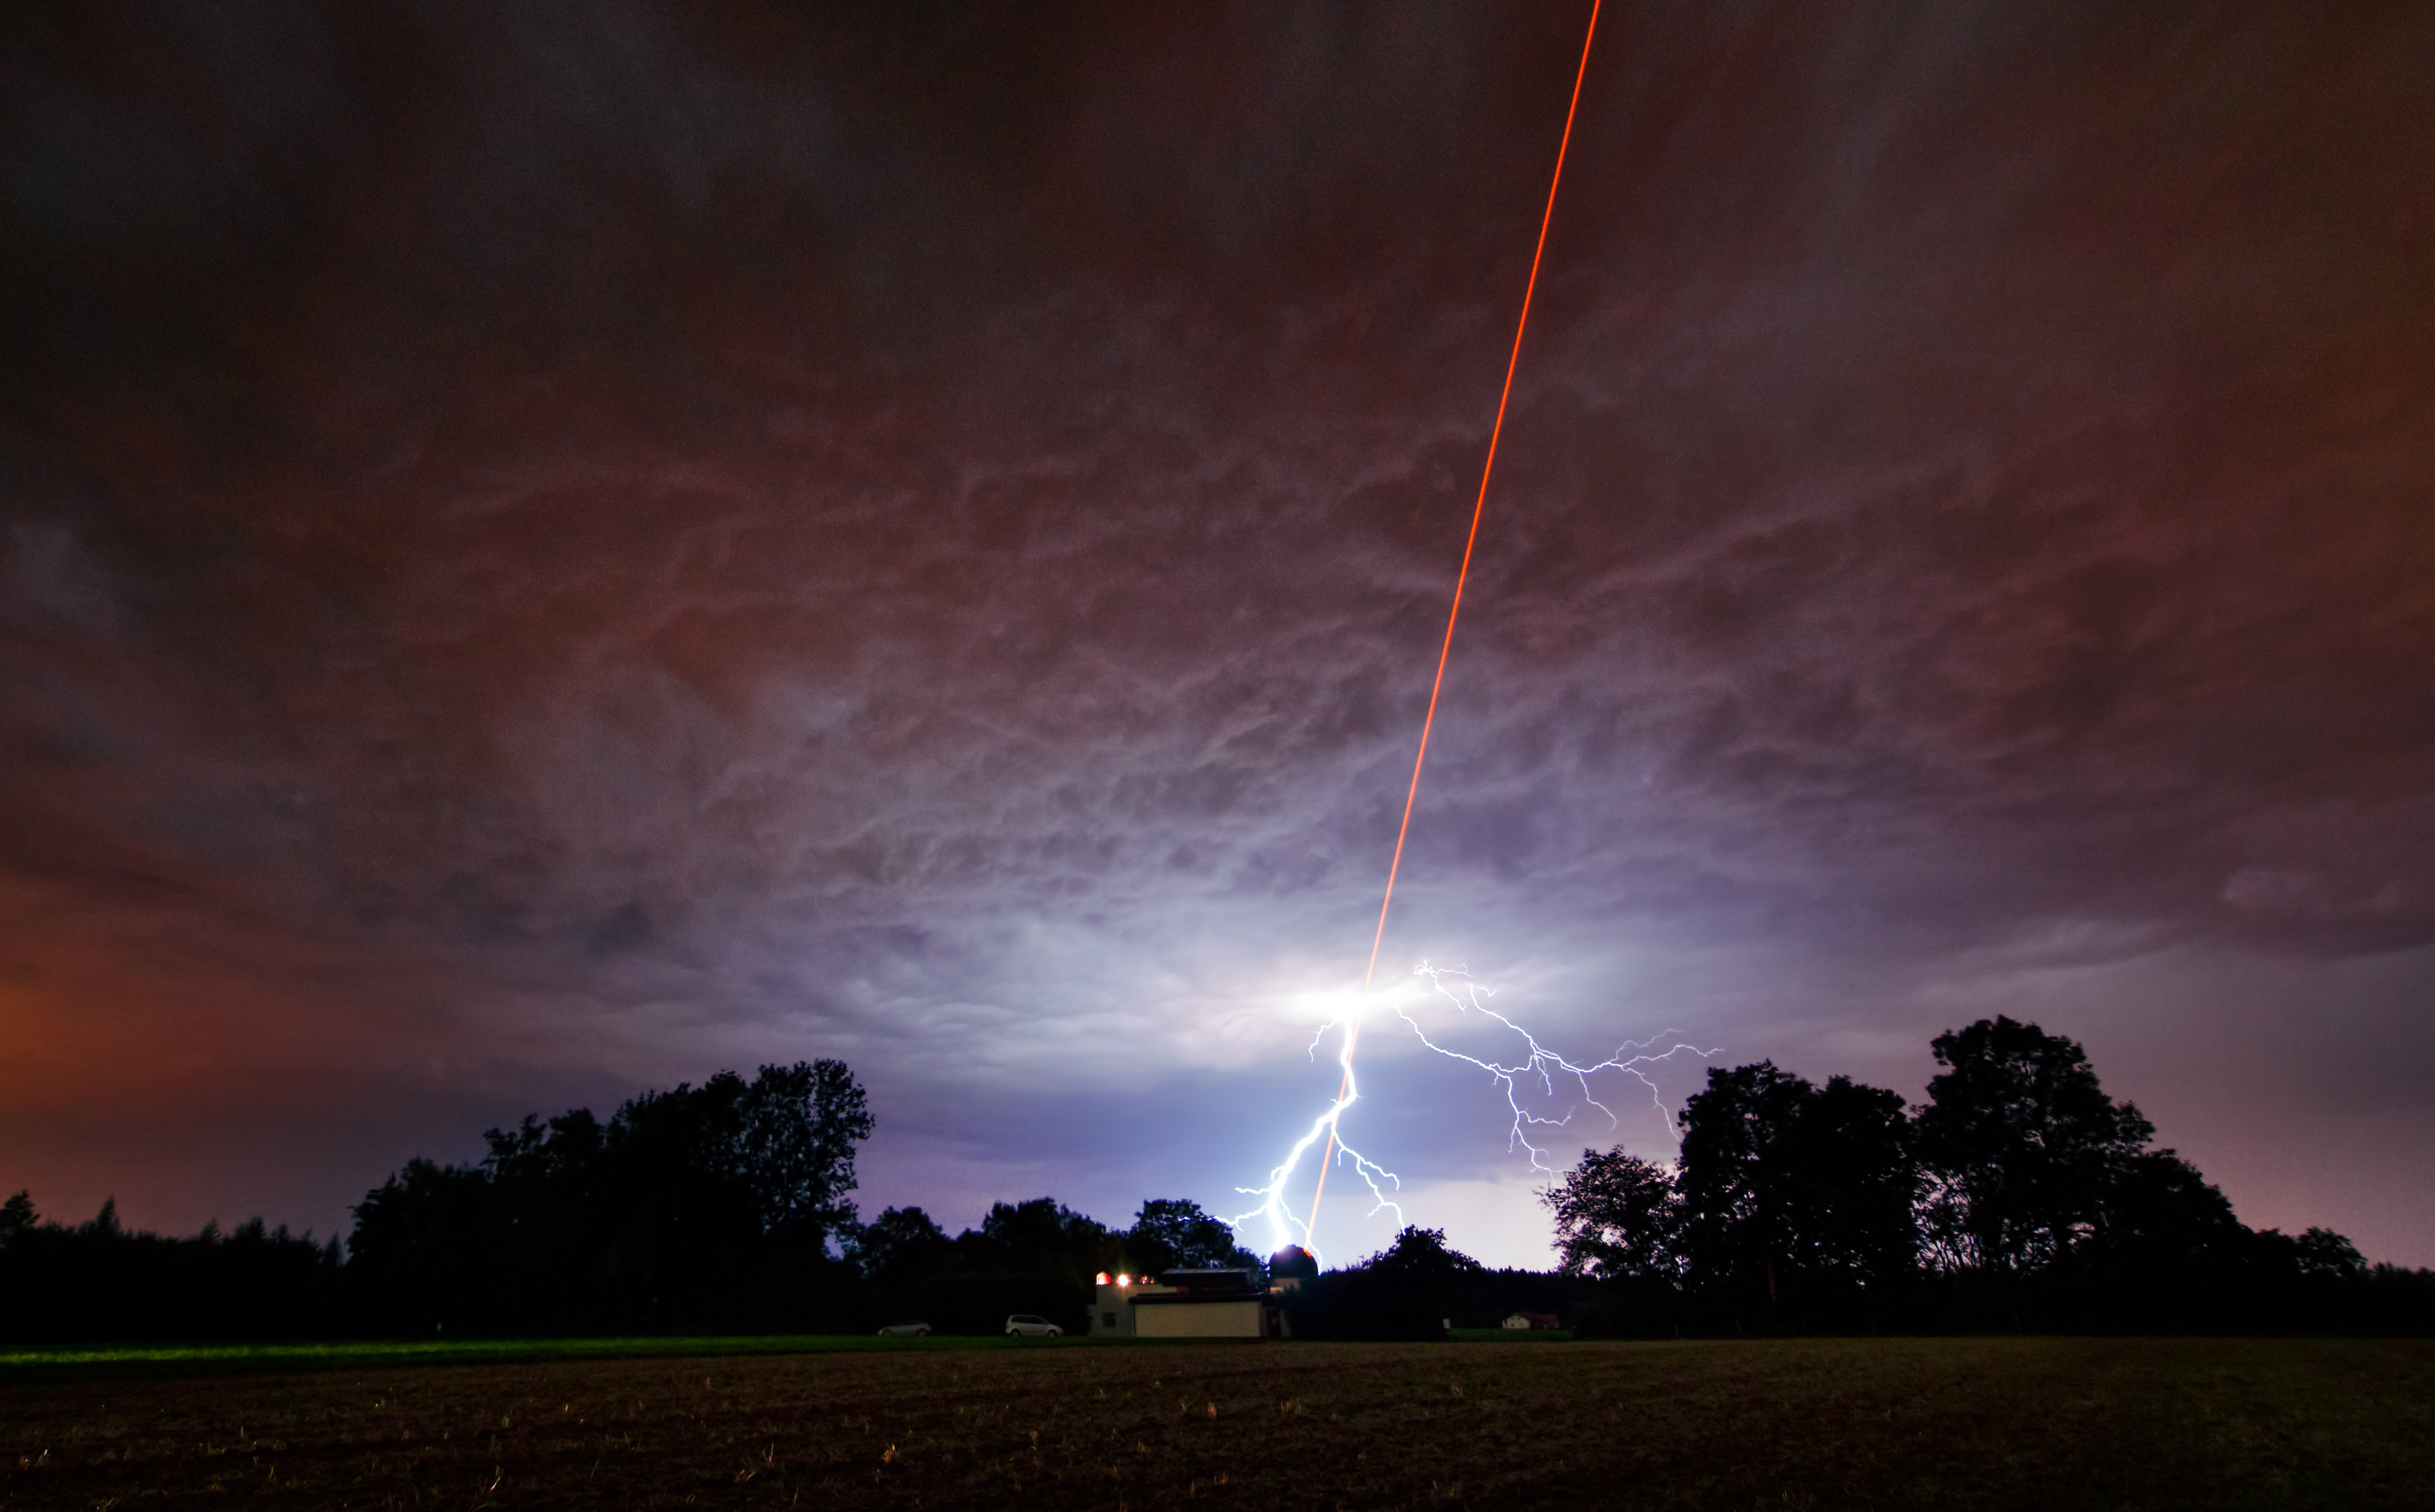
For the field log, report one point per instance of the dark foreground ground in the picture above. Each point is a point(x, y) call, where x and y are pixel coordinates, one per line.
point(1788, 1424)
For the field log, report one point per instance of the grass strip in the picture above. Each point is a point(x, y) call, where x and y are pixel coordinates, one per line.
point(87, 1361)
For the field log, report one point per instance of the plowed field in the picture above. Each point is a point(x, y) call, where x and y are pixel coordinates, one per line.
point(1863, 1423)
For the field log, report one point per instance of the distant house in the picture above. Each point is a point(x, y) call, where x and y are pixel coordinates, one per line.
point(1524, 1321)
point(1203, 1304)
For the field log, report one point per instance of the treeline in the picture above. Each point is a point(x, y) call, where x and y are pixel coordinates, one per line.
point(707, 1208)
point(99, 1281)
point(1419, 1286)
point(720, 1207)
point(1028, 1257)
point(2018, 1196)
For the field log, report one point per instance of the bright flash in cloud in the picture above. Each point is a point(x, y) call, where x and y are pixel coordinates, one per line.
point(1532, 1077)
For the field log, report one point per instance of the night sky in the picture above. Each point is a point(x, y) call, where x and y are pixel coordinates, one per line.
point(551, 549)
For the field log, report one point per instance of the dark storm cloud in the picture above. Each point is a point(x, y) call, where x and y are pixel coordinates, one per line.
point(558, 548)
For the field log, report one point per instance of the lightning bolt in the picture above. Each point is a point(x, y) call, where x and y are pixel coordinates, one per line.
point(1328, 1125)
point(1284, 1227)
point(1542, 1065)
point(1538, 1067)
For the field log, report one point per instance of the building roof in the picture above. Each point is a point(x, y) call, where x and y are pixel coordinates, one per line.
point(1202, 1286)
point(1207, 1281)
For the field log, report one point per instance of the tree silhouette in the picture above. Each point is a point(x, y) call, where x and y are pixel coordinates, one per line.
point(2021, 1147)
point(101, 1280)
point(1419, 1256)
point(17, 1216)
point(1739, 1226)
point(2158, 1213)
point(1042, 1234)
point(1617, 1216)
point(796, 1130)
point(899, 1244)
point(2322, 1252)
point(1171, 1232)
point(1406, 1291)
point(710, 1204)
point(1786, 1185)
point(1856, 1184)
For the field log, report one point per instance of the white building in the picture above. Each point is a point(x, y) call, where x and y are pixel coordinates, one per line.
point(1186, 1304)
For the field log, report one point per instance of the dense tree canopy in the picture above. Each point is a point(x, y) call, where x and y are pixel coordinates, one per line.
point(899, 1244)
point(1170, 1233)
point(702, 1204)
point(1420, 1255)
point(2018, 1184)
point(99, 1281)
point(1617, 1216)
point(2022, 1147)
point(1787, 1185)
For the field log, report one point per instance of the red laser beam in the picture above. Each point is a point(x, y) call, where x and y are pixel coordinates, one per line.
point(1479, 506)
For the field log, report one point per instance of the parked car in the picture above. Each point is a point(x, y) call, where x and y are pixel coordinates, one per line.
point(905, 1330)
point(1025, 1325)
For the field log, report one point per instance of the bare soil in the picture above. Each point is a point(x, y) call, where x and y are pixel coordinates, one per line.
point(1776, 1423)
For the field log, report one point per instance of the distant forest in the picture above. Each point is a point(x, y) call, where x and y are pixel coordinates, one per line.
point(2018, 1197)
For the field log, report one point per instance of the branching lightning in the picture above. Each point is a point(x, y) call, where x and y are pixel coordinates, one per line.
point(1538, 1066)
point(1283, 1227)
point(1632, 1058)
